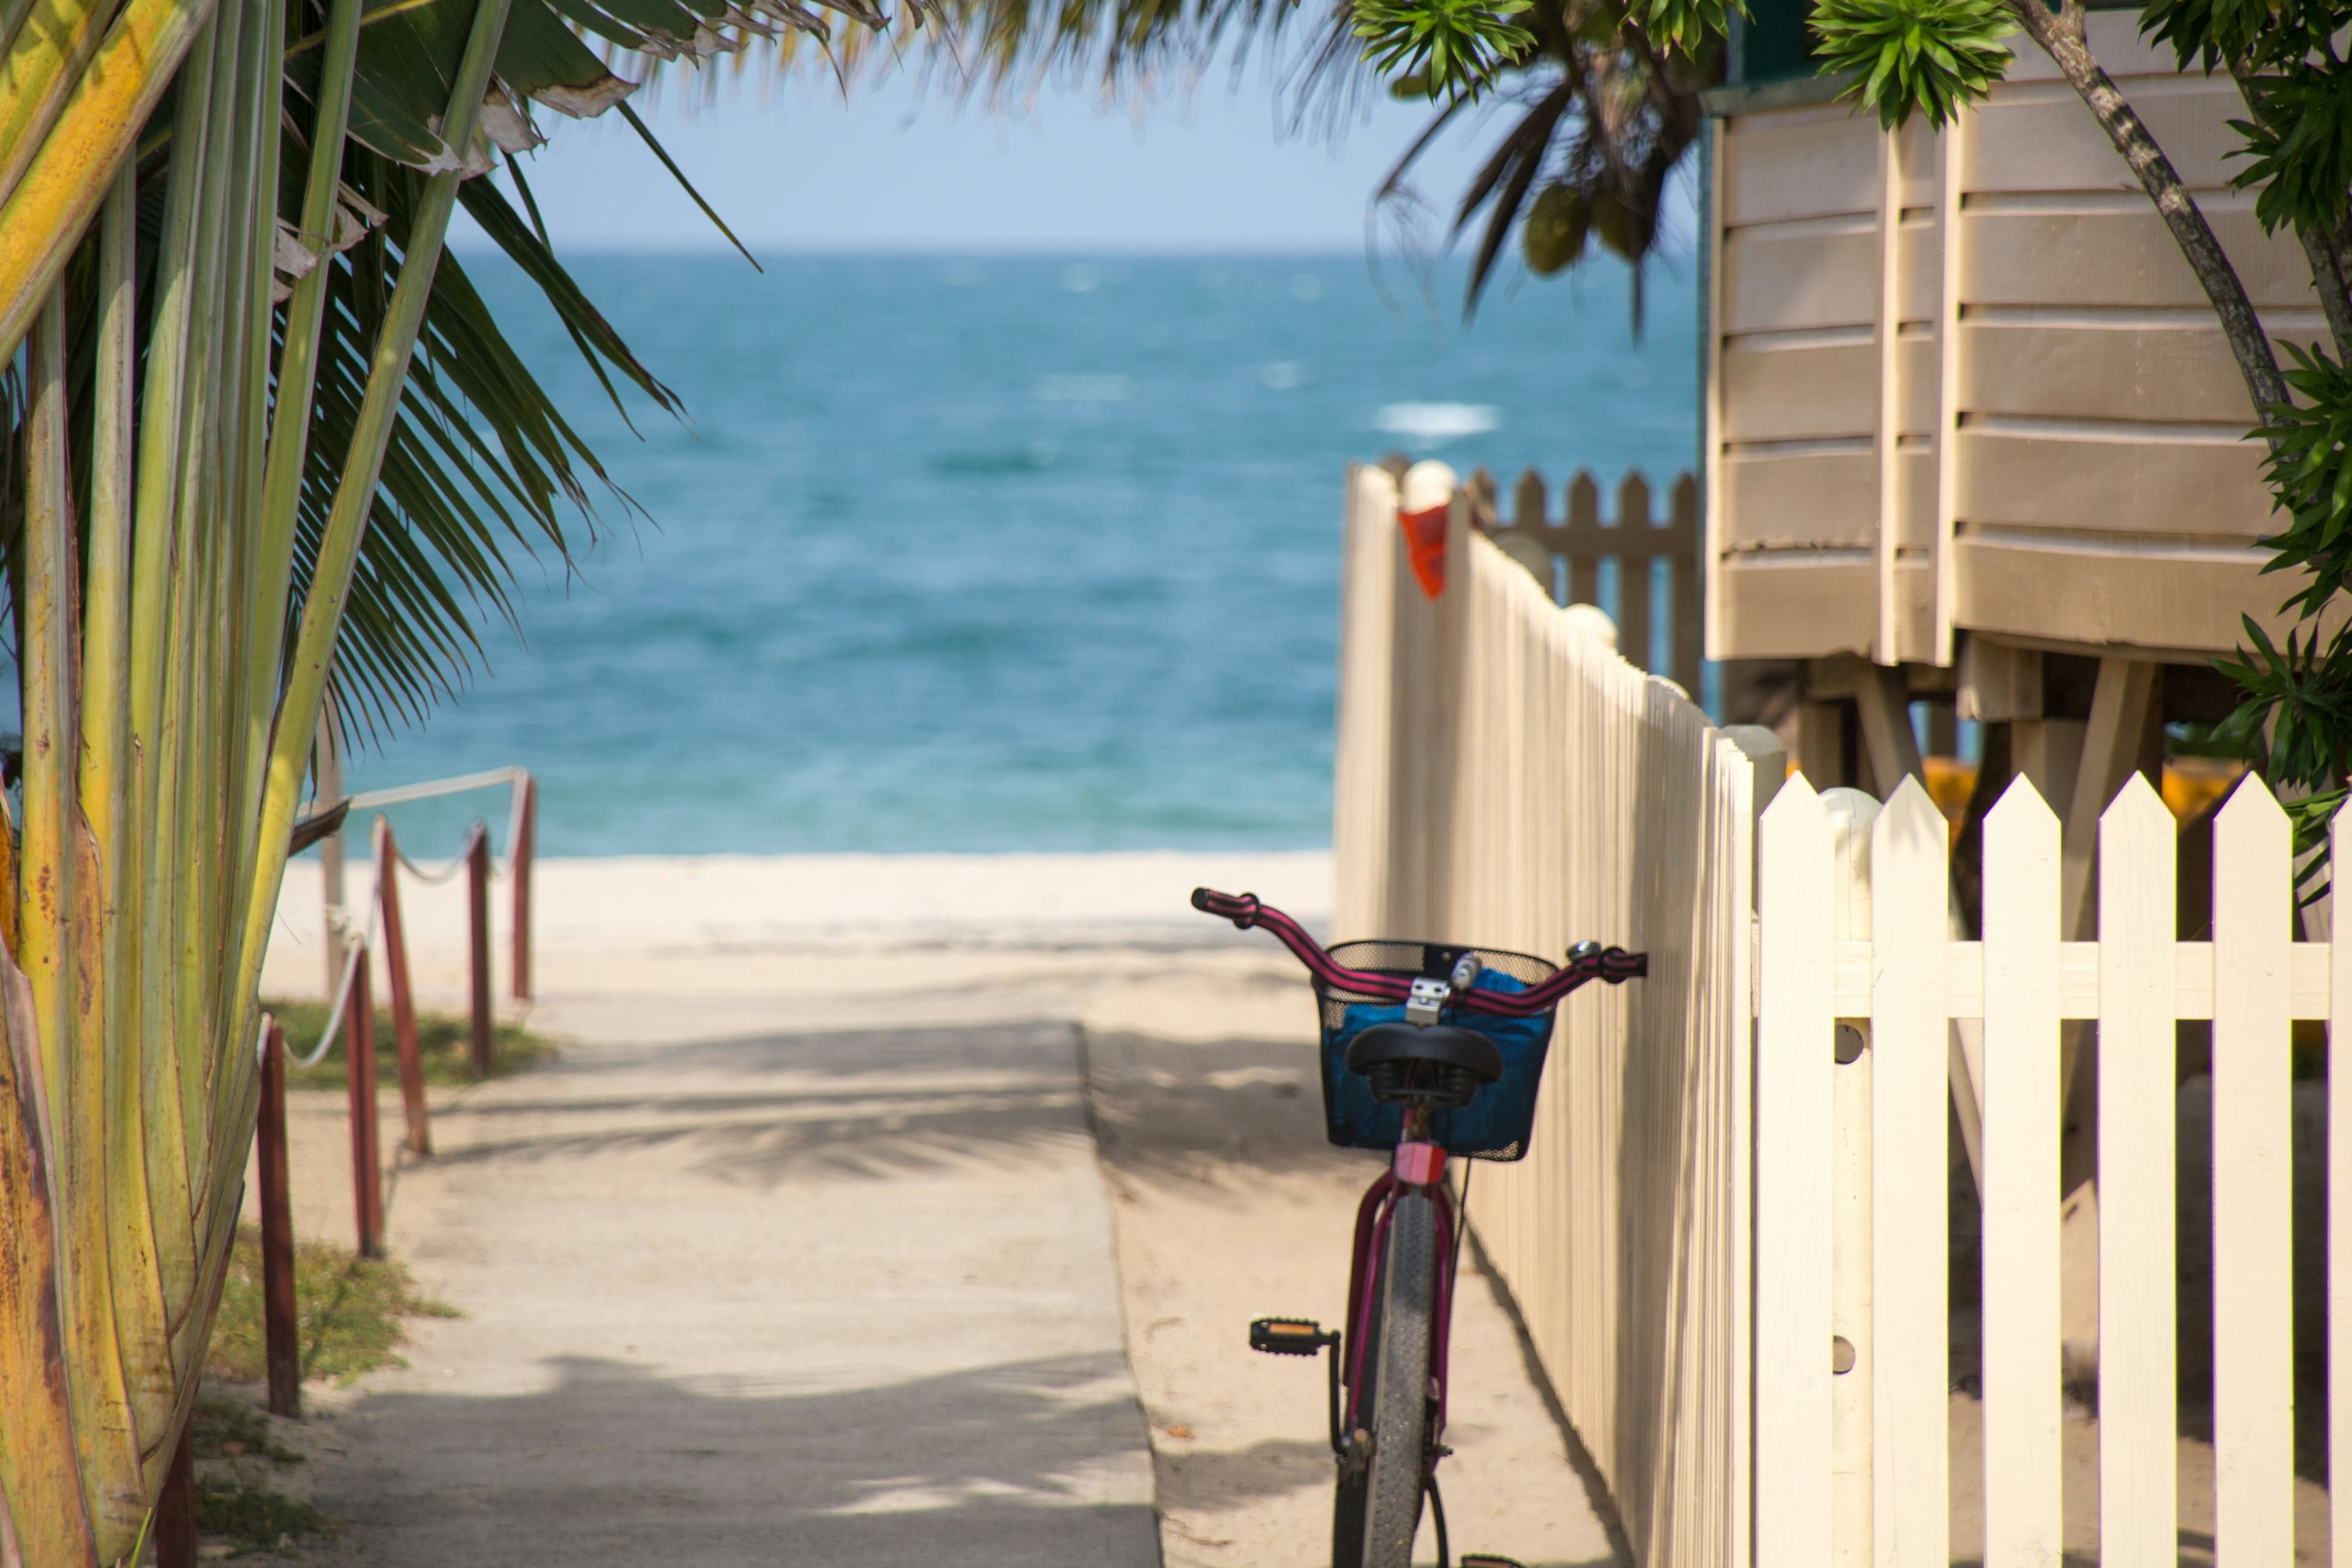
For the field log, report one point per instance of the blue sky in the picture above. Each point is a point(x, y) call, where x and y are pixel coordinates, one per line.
point(795, 168)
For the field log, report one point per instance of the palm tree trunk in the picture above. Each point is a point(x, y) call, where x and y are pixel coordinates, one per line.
point(2060, 33)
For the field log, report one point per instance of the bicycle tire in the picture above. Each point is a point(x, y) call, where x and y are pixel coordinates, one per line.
point(1375, 1526)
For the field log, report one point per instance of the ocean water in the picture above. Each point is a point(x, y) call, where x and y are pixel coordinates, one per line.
point(1002, 552)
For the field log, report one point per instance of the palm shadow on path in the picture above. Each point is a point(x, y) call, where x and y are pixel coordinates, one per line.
point(615, 1465)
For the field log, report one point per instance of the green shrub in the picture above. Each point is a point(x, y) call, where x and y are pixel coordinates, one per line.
point(249, 1519)
point(348, 1313)
point(444, 1042)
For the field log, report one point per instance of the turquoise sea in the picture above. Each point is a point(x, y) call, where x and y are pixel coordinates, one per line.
point(1002, 552)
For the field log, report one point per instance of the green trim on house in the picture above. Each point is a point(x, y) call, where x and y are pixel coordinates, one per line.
point(1793, 92)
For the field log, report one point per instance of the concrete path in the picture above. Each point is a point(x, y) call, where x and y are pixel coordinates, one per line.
point(741, 1293)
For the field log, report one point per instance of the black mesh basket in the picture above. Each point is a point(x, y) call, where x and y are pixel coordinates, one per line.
point(1497, 1123)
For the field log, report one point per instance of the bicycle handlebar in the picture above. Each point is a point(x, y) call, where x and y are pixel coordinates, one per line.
point(1612, 964)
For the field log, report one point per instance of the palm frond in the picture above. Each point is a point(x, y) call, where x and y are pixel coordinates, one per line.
point(482, 470)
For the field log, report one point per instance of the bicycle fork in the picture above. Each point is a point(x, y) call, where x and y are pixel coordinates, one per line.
point(1417, 1167)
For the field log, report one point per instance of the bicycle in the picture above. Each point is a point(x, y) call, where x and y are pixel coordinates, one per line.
point(1428, 1049)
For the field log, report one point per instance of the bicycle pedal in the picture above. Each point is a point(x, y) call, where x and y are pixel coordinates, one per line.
point(1289, 1336)
point(1487, 1560)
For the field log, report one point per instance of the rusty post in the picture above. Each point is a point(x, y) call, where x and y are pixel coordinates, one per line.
point(404, 1000)
point(519, 855)
point(282, 1348)
point(367, 1159)
point(175, 1510)
point(477, 879)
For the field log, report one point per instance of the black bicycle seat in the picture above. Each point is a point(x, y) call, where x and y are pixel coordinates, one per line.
point(1443, 1044)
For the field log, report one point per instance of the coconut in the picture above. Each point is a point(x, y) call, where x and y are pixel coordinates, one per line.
point(1621, 229)
point(1553, 236)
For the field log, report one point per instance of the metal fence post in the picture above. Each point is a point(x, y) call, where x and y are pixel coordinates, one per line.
point(367, 1164)
point(477, 879)
point(403, 1001)
point(520, 855)
point(283, 1353)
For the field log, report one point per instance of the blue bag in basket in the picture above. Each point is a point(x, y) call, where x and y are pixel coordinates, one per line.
point(1493, 1126)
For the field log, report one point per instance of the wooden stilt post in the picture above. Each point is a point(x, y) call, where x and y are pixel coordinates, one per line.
point(282, 1349)
point(367, 1161)
point(520, 853)
point(403, 1001)
point(175, 1510)
point(478, 880)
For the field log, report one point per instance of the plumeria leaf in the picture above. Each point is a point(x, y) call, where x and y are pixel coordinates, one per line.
point(1452, 47)
point(1913, 57)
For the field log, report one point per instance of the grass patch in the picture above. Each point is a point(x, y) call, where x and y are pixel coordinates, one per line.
point(224, 1429)
point(232, 1511)
point(348, 1313)
point(249, 1519)
point(445, 1041)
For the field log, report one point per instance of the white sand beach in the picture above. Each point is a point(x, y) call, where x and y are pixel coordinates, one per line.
point(733, 923)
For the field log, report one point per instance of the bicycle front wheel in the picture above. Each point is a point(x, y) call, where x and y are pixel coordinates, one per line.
point(1396, 1398)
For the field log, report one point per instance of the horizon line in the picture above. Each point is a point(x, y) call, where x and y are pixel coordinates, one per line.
point(477, 243)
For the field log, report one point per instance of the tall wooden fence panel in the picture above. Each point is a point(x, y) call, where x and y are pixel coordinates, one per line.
point(1564, 553)
point(1504, 779)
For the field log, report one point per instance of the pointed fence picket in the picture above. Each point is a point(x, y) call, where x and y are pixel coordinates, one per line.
point(1729, 1241)
point(2253, 1187)
point(2022, 1403)
point(1910, 1178)
point(2139, 1487)
point(1795, 1012)
point(2339, 1199)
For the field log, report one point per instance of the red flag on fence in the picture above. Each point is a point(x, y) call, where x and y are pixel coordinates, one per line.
point(1423, 502)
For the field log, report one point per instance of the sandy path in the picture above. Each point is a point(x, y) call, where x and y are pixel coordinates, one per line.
point(803, 1252)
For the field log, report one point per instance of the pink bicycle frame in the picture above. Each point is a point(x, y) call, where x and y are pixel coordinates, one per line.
point(1417, 1167)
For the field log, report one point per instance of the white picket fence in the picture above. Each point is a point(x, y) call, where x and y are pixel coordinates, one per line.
point(1729, 1241)
point(1855, 1466)
point(1504, 779)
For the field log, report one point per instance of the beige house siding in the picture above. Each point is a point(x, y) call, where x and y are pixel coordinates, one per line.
point(2099, 491)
